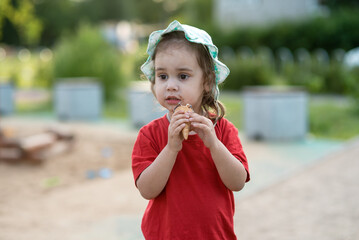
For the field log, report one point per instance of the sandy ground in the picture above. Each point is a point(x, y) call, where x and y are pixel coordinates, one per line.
point(56, 200)
point(320, 202)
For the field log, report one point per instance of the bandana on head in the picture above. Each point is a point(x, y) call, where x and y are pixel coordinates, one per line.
point(192, 34)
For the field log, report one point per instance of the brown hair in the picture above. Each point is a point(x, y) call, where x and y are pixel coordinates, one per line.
point(213, 108)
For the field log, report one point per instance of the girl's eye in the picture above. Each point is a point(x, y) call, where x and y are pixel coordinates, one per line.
point(162, 76)
point(183, 76)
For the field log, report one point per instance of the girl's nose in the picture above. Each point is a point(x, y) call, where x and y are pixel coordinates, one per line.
point(172, 85)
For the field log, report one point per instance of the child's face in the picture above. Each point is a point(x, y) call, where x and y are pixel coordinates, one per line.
point(178, 78)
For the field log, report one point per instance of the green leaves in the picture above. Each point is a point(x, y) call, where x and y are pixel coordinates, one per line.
point(23, 18)
point(87, 54)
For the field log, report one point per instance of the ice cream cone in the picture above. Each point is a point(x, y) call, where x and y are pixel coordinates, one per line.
point(185, 131)
point(186, 108)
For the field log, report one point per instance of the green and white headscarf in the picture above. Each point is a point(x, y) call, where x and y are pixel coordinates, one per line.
point(192, 34)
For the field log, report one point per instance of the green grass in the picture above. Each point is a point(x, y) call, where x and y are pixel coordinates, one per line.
point(30, 108)
point(234, 107)
point(333, 120)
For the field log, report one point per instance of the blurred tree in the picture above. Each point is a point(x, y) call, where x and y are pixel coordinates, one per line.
point(64, 16)
point(58, 16)
point(61, 16)
point(114, 10)
point(334, 4)
point(156, 11)
point(20, 14)
point(87, 54)
point(199, 12)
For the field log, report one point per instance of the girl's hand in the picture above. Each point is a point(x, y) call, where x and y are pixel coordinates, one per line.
point(205, 129)
point(178, 122)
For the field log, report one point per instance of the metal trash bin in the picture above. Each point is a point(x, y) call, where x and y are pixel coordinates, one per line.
point(78, 100)
point(275, 113)
point(7, 93)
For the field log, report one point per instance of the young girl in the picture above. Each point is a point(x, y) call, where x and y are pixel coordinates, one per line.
point(189, 182)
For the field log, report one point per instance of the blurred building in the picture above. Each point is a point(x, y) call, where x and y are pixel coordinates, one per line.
point(230, 13)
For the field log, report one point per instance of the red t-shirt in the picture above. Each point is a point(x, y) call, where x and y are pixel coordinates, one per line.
point(195, 204)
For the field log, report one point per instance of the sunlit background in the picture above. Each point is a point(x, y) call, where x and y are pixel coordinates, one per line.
point(294, 84)
point(288, 43)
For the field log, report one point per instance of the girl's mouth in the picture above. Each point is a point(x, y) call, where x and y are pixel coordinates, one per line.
point(172, 100)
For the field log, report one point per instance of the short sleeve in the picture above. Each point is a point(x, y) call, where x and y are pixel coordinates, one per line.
point(143, 154)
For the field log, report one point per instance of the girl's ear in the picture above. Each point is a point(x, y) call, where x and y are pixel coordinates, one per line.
point(207, 87)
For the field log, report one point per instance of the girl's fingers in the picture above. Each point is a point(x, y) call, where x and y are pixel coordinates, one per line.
point(195, 118)
point(178, 128)
point(178, 122)
point(179, 117)
point(200, 127)
point(201, 124)
point(204, 128)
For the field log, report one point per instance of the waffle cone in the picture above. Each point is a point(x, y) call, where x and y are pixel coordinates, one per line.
point(185, 130)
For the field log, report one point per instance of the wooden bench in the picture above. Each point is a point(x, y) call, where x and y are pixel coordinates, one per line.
point(36, 147)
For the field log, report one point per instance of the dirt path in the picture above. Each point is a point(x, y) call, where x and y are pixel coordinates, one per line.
point(57, 201)
point(320, 202)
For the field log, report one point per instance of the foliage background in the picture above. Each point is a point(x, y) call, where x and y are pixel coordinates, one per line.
point(88, 54)
point(48, 39)
point(50, 24)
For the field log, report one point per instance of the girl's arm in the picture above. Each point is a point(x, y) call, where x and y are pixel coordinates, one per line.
point(231, 171)
point(154, 178)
